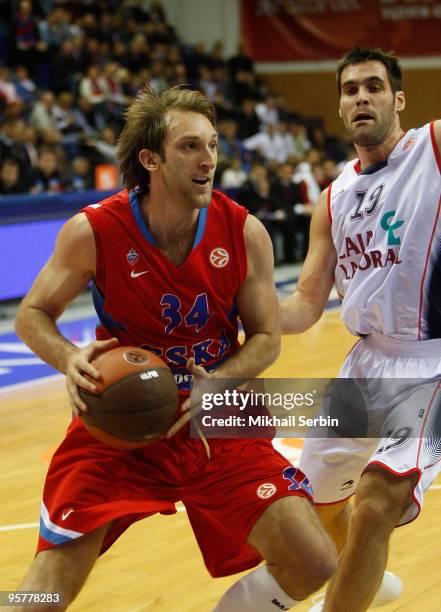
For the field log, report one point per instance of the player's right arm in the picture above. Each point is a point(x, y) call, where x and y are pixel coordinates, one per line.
point(304, 307)
point(61, 280)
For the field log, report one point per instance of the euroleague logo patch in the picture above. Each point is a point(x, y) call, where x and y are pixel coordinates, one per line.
point(219, 257)
point(266, 490)
point(135, 357)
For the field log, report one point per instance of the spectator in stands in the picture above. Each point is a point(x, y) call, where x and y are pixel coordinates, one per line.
point(8, 89)
point(247, 119)
point(304, 174)
point(85, 117)
point(81, 175)
point(42, 116)
point(299, 135)
point(157, 79)
point(267, 111)
point(104, 147)
point(255, 192)
point(28, 45)
point(234, 176)
point(63, 113)
point(25, 87)
point(138, 55)
point(228, 142)
point(286, 196)
point(11, 144)
point(180, 76)
point(28, 138)
point(244, 87)
point(93, 89)
point(54, 30)
point(66, 67)
point(115, 94)
point(11, 180)
point(47, 177)
point(206, 82)
point(240, 61)
point(330, 169)
point(268, 144)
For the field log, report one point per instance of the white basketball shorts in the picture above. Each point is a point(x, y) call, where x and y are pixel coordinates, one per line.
point(390, 410)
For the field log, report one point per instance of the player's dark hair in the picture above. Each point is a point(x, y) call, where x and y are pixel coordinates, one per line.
point(358, 55)
point(147, 123)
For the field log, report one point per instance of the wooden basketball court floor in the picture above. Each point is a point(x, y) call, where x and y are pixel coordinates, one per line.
point(156, 565)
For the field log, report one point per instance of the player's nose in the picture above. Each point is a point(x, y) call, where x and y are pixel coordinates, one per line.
point(208, 158)
point(362, 96)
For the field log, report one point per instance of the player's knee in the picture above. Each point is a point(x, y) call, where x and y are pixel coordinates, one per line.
point(300, 577)
point(377, 513)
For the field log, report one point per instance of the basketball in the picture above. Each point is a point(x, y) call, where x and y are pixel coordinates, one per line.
point(135, 401)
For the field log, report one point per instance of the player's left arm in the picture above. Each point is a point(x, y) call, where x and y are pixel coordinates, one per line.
point(258, 308)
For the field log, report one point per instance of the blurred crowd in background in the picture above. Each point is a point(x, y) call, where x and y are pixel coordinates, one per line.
point(69, 70)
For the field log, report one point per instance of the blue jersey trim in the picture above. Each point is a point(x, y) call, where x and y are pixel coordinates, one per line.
point(136, 209)
point(105, 319)
point(51, 536)
point(202, 220)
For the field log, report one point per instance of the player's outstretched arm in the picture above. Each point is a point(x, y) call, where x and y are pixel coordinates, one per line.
point(302, 309)
point(258, 308)
point(65, 275)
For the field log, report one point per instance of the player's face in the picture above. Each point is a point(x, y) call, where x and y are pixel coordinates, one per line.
point(190, 159)
point(368, 106)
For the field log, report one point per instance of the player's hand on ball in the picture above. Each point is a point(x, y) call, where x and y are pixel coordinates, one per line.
point(78, 366)
point(192, 404)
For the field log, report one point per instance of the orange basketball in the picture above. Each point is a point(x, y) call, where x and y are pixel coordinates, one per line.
point(136, 398)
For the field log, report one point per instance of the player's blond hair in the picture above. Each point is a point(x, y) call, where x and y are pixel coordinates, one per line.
point(147, 125)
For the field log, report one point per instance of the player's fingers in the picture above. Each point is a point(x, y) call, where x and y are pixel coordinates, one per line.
point(89, 352)
point(104, 345)
point(178, 424)
point(186, 405)
point(74, 396)
point(196, 370)
point(82, 381)
point(87, 368)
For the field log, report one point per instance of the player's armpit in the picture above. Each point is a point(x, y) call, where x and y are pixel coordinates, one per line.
point(305, 306)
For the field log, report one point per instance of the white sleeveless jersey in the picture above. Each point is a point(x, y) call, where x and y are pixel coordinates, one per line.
point(386, 229)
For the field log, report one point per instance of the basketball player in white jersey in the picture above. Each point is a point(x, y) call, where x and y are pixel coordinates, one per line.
point(376, 233)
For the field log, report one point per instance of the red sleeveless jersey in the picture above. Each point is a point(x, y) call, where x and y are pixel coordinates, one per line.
point(178, 312)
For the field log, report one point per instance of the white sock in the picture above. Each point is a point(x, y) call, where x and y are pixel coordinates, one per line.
point(255, 592)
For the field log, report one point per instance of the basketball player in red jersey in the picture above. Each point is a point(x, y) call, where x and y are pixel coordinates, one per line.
point(173, 265)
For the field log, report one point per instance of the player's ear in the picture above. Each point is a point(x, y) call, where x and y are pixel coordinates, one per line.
point(400, 101)
point(149, 160)
point(339, 112)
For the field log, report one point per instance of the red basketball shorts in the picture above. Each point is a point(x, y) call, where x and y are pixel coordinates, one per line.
point(90, 484)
